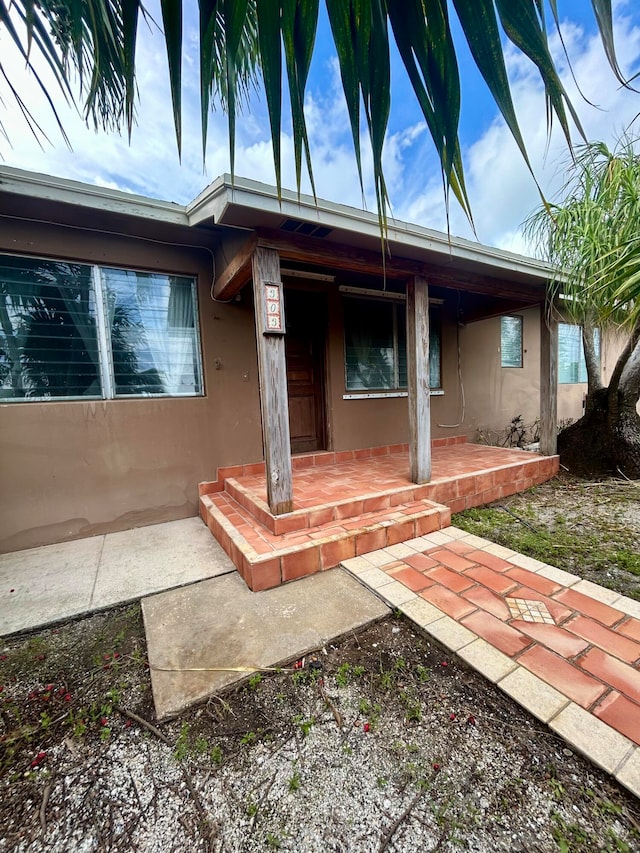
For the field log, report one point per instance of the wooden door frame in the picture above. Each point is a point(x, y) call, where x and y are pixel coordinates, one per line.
point(321, 358)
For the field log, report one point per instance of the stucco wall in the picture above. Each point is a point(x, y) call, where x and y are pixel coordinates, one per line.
point(78, 468)
point(73, 469)
point(495, 394)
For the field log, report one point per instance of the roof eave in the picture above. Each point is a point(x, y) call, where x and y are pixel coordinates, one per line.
point(64, 191)
point(216, 202)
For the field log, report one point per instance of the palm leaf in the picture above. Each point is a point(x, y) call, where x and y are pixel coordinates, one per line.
point(96, 40)
point(172, 22)
point(523, 24)
point(299, 25)
point(604, 19)
point(269, 31)
point(344, 29)
point(424, 40)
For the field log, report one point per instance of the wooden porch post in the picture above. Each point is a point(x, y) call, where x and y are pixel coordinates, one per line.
point(272, 373)
point(418, 378)
point(548, 383)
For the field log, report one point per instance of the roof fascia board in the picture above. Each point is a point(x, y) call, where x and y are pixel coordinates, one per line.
point(224, 193)
point(211, 204)
point(64, 191)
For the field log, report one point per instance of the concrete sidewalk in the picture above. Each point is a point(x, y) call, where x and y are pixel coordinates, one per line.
point(55, 582)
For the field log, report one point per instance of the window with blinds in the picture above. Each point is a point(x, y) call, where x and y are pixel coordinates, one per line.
point(375, 333)
point(572, 368)
point(70, 331)
point(511, 341)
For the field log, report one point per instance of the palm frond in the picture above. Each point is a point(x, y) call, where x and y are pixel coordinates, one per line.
point(591, 236)
point(243, 42)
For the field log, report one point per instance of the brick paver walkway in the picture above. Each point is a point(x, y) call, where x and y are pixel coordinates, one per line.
point(566, 649)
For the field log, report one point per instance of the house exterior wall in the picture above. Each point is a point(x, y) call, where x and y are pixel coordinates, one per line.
point(495, 394)
point(79, 468)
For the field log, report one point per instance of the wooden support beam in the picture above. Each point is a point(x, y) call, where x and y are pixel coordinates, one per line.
point(338, 256)
point(418, 377)
point(237, 272)
point(495, 308)
point(311, 250)
point(274, 402)
point(548, 383)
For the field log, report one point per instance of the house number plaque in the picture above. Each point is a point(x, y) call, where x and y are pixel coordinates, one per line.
point(274, 312)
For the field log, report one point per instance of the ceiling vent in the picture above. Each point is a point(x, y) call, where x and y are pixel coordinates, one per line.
point(308, 229)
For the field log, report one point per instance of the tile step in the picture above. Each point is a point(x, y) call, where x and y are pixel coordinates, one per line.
point(265, 560)
point(459, 492)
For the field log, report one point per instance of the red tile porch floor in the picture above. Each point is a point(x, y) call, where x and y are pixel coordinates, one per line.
point(565, 648)
point(353, 502)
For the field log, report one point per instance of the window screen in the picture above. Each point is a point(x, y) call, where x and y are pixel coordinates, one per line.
point(511, 341)
point(74, 331)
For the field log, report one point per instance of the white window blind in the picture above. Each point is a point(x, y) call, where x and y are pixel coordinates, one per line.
point(511, 341)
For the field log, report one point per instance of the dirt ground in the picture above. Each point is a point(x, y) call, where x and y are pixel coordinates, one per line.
point(378, 742)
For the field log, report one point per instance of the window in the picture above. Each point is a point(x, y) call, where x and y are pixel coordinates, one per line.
point(376, 345)
point(511, 341)
point(571, 363)
point(72, 330)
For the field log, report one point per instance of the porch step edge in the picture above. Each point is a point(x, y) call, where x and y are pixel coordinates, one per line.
point(292, 561)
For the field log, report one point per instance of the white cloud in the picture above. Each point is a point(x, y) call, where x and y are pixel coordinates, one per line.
point(501, 190)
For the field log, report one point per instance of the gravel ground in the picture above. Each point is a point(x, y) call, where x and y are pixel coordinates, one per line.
point(381, 742)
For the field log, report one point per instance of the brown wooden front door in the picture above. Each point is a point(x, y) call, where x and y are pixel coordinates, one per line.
point(305, 313)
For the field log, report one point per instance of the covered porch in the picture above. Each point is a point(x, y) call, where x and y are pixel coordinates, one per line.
point(373, 315)
point(352, 502)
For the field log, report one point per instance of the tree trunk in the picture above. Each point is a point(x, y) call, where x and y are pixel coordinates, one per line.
point(606, 440)
point(626, 444)
point(599, 445)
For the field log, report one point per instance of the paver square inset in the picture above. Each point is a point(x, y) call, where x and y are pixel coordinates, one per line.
point(530, 611)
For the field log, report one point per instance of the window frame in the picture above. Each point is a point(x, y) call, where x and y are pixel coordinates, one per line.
point(106, 372)
point(398, 302)
point(581, 364)
point(520, 324)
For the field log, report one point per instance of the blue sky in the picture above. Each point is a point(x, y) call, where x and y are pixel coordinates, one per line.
point(501, 190)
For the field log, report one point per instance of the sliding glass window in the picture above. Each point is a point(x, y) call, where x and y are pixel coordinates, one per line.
point(75, 331)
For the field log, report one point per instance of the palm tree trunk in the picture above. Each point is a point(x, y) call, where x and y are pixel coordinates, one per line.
point(607, 439)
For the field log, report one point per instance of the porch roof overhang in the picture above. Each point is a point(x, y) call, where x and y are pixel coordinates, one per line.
point(336, 236)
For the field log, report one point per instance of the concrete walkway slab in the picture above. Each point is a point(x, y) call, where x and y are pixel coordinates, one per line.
point(55, 582)
point(220, 624)
point(151, 559)
point(47, 584)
